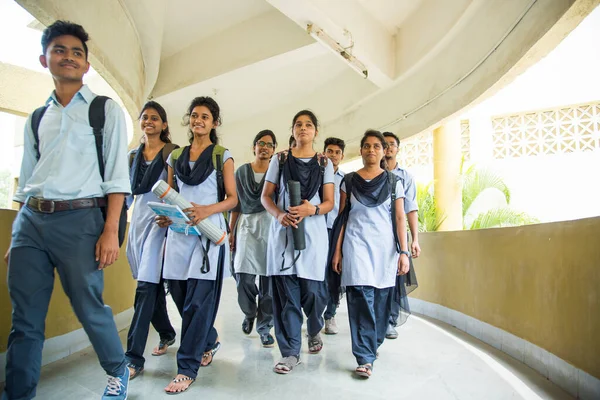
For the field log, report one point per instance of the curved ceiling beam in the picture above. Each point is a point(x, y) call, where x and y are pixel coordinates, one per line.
point(149, 21)
point(349, 24)
point(492, 41)
point(268, 35)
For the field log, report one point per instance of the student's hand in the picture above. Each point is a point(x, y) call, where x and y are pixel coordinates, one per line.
point(231, 242)
point(305, 209)
point(287, 220)
point(107, 249)
point(197, 213)
point(336, 262)
point(163, 221)
point(415, 249)
point(7, 255)
point(403, 264)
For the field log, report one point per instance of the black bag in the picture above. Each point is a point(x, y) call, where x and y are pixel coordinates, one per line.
point(97, 117)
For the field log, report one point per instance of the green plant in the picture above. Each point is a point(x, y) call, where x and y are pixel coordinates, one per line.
point(475, 182)
point(429, 217)
point(501, 217)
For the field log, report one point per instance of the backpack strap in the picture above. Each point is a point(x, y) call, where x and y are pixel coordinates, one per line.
point(322, 165)
point(218, 156)
point(36, 118)
point(348, 184)
point(97, 117)
point(392, 181)
point(175, 154)
point(282, 157)
point(167, 150)
point(132, 154)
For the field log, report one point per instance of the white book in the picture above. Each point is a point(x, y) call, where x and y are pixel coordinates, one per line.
point(175, 214)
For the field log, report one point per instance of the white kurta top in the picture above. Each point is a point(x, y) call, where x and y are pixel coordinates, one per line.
point(146, 239)
point(369, 251)
point(183, 255)
point(252, 234)
point(312, 261)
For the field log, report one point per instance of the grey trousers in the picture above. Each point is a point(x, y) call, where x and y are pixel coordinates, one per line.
point(42, 243)
point(247, 294)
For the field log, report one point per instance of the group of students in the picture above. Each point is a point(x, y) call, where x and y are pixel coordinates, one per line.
point(343, 217)
point(354, 229)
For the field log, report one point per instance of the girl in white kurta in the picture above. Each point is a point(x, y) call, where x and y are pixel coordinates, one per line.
point(250, 224)
point(146, 239)
point(368, 253)
point(298, 278)
point(193, 261)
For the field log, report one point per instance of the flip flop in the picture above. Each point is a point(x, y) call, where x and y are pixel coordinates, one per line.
point(187, 378)
point(364, 370)
point(211, 354)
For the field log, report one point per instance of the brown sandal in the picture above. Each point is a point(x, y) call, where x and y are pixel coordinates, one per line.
point(364, 370)
point(210, 354)
point(315, 344)
point(184, 379)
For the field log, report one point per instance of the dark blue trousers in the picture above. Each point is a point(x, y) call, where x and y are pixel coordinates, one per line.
point(42, 243)
point(247, 294)
point(150, 306)
point(331, 303)
point(178, 291)
point(368, 312)
point(198, 312)
point(291, 295)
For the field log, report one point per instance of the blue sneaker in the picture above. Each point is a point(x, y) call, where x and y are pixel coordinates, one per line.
point(117, 387)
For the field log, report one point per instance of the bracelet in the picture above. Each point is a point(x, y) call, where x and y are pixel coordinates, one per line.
point(405, 252)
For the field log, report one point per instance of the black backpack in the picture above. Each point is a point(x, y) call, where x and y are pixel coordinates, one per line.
point(97, 117)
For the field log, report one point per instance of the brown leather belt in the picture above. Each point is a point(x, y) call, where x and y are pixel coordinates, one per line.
point(51, 206)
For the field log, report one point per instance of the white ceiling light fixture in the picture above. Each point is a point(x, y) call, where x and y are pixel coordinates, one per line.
point(319, 35)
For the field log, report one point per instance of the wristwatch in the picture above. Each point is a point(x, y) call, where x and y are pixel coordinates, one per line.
point(405, 252)
point(317, 210)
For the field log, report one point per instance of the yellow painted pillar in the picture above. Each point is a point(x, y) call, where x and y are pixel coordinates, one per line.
point(447, 184)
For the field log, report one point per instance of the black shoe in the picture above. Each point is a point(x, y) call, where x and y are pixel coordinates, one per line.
point(248, 325)
point(267, 340)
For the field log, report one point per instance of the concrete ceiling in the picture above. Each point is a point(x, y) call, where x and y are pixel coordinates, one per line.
point(188, 21)
point(391, 13)
point(426, 59)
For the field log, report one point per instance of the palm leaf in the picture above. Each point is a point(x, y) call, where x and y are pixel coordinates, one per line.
point(501, 217)
point(429, 217)
point(475, 181)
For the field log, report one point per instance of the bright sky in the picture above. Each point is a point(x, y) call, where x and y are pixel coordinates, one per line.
point(22, 48)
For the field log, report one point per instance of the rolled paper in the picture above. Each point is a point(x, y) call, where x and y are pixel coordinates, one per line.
point(170, 196)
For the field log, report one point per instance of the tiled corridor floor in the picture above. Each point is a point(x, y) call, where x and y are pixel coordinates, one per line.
point(430, 360)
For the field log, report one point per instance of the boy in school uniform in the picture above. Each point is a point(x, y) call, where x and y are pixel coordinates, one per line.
point(334, 150)
point(410, 209)
point(61, 225)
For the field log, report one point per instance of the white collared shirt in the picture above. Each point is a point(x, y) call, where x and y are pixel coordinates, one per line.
point(68, 165)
